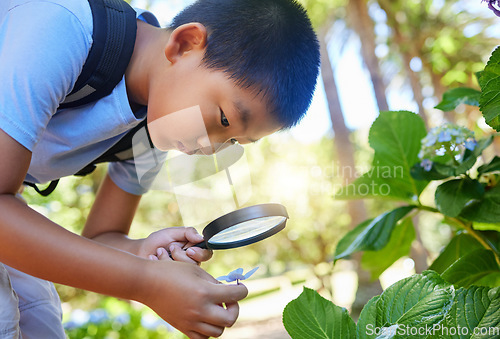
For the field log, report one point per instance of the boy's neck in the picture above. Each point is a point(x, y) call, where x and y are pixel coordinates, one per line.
point(148, 53)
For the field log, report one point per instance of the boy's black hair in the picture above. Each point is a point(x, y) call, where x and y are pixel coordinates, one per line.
point(266, 45)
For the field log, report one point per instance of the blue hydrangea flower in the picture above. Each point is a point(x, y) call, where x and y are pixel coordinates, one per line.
point(98, 316)
point(444, 136)
point(123, 318)
point(426, 164)
point(237, 275)
point(446, 142)
point(470, 144)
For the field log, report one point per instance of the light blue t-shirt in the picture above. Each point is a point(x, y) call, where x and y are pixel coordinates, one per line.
point(43, 47)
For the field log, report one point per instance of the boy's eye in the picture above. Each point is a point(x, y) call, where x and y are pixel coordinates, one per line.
point(223, 119)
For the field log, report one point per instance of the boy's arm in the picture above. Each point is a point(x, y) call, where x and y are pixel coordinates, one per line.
point(35, 245)
point(109, 222)
point(111, 215)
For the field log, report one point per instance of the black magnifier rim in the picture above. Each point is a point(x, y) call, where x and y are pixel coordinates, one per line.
point(242, 215)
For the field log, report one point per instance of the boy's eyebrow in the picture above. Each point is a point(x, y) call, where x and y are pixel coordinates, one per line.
point(243, 112)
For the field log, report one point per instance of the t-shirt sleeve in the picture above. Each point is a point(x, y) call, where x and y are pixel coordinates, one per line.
point(43, 47)
point(136, 176)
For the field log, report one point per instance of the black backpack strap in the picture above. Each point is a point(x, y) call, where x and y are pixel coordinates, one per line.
point(113, 35)
point(114, 32)
point(122, 150)
point(47, 190)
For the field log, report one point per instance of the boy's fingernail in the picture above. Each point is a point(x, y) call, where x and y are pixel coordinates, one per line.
point(159, 251)
point(171, 248)
point(190, 251)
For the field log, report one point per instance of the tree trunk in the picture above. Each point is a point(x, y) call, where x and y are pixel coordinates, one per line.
point(360, 20)
point(343, 144)
point(366, 288)
point(407, 53)
point(438, 87)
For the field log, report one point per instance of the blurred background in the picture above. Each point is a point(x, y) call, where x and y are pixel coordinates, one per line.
point(376, 55)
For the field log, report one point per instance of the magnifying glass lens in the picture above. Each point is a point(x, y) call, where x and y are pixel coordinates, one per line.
point(246, 230)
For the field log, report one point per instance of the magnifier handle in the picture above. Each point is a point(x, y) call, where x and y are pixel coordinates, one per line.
point(202, 244)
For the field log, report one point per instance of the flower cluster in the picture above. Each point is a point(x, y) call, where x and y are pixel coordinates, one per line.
point(446, 144)
point(492, 4)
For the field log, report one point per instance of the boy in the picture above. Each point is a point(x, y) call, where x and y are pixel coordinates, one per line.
point(247, 66)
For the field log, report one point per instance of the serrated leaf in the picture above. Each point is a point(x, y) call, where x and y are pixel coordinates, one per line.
point(459, 246)
point(456, 96)
point(371, 235)
point(365, 327)
point(312, 316)
point(452, 195)
point(396, 138)
point(398, 246)
point(492, 166)
point(489, 102)
point(472, 309)
point(486, 210)
point(417, 301)
point(470, 268)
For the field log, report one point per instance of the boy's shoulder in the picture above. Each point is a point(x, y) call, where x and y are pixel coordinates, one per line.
point(80, 10)
point(73, 6)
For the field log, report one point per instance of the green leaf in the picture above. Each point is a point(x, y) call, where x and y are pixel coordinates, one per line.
point(367, 319)
point(458, 247)
point(470, 157)
point(437, 172)
point(414, 302)
point(452, 195)
point(486, 210)
point(470, 268)
point(312, 316)
point(490, 280)
point(396, 138)
point(456, 96)
point(476, 309)
point(371, 235)
point(398, 246)
point(489, 102)
point(492, 166)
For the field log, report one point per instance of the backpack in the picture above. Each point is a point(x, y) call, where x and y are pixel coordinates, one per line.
point(113, 35)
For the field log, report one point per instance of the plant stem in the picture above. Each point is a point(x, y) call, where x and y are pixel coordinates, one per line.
point(478, 236)
point(428, 208)
point(468, 227)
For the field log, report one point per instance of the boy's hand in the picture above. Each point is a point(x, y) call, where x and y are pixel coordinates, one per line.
point(169, 243)
point(190, 299)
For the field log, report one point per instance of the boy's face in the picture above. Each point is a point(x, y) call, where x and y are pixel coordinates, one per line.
point(197, 110)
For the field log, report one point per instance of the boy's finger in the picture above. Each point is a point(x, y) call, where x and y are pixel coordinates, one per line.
point(178, 254)
point(193, 236)
point(229, 294)
point(225, 316)
point(162, 254)
point(210, 330)
point(199, 254)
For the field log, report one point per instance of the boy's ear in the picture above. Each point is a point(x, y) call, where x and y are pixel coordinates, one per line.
point(187, 37)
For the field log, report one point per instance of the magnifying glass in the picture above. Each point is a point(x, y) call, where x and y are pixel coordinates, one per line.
point(244, 226)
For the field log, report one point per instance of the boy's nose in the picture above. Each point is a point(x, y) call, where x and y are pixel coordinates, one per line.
point(204, 145)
